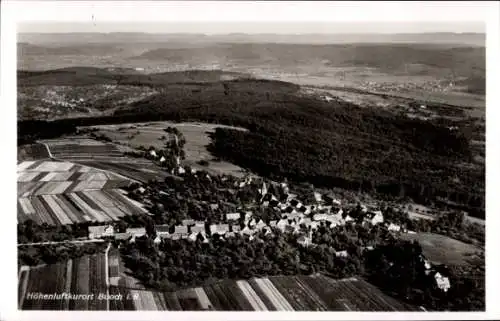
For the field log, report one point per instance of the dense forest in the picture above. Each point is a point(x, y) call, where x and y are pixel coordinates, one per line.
point(303, 139)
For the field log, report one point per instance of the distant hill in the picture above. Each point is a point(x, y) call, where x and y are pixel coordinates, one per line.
point(468, 39)
point(462, 61)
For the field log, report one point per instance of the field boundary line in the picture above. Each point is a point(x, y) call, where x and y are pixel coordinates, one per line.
point(48, 150)
point(61, 242)
point(106, 274)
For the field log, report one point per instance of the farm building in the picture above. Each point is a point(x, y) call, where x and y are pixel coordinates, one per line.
point(348, 219)
point(198, 227)
point(282, 224)
point(442, 282)
point(96, 232)
point(162, 230)
point(180, 229)
point(320, 217)
point(136, 232)
point(192, 237)
point(376, 217)
point(188, 222)
point(314, 225)
point(341, 253)
point(394, 227)
point(220, 229)
point(233, 216)
point(235, 228)
point(260, 224)
point(122, 236)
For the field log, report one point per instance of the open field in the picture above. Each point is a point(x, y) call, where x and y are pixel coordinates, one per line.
point(83, 276)
point(149, 134)
point(60, 193)
point(443, 249)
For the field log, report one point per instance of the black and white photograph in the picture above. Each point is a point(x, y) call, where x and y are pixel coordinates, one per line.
point(314, 165)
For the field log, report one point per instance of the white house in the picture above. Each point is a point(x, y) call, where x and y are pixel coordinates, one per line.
point(377, 218)
point(157, 240)
point(394, 227)
point(181, 229)
point(162, 230)
point(317, 197)
point(320, 217)
point(136, 232)
point(100, 231)
point(341, 253)
point(220, 229)
point(181, 170)
point(260, 224)
point(273, 223)
point(121, 236)
point(192, 237)
point(442, 282)
point(162, 159)
point(153, 153)
point(141, 190)
point(306, 221)
point(198, 227)
point(314, 225)
point(233, 216)
point(282, 224)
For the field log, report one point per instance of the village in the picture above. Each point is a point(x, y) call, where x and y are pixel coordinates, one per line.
point(297, 218)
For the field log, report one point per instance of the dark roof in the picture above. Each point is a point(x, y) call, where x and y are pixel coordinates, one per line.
point(162, 228)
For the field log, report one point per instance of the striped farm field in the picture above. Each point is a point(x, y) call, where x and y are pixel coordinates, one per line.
point(81, 147)
point(279, 293)
point(61, 193)
point(84, 276)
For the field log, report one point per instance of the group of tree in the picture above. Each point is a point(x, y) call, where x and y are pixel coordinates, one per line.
point(393, 265)
point(33, 255)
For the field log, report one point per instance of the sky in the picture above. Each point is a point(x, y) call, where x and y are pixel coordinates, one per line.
point(253, 17)
point(253, 27)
